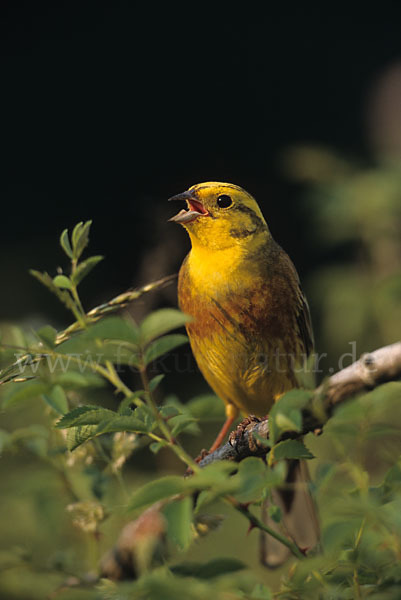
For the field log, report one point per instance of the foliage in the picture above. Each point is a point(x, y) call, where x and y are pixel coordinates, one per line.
point(91, 423)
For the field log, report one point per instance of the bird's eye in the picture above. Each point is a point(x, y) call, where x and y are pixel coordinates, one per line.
point(224, 201)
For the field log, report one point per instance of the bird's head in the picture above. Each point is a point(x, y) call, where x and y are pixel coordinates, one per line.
point(220, 215)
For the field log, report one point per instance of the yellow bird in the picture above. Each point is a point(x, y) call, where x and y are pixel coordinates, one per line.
point(251, 327)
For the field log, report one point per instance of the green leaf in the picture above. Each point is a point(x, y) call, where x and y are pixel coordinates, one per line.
point(124, 408)
point(155, 447)
point(75, 234)
point(87, 354)
point(84, 268)
point(112, 338)
point(25, 390)
point(393, 475)
point(261, 592)
point(275, 513)
point(163, 345)
point(47, 335)
point(145, 415)
point(62, 295)
point(78, 435)
point(82, 239)
point(179, 522)
point(216, 480)
point(75, 380)
point(169, 410)
point(160, 322)
point(162, 488)
point(289, 422)
point(85, 415)
point(63, 282)
point(214, 474)
point(213, 568)
point(250, 483)
point(291, 449)
point(286, 414)
point(220, 566)
point(122, 423)
point(181, 423)
point(57, 400)
point(252, 477)
point(115, 328)
point(340, 532)
point(65, 243)
point(207, 407)
point(153, 383)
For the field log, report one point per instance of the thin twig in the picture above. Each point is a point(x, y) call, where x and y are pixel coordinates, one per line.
point(117, 303)
point(255, 522)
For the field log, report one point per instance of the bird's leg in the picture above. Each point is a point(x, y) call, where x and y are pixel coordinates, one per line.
point(222, 433)
point(231, 415)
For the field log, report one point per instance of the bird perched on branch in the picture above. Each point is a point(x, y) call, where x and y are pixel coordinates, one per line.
point(251, 327)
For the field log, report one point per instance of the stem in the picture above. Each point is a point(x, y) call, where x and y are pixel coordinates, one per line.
point(93, 550)
point(115, 379)
point(120, 479)
point(359, 534)
point(160, 421)
point(95, 367)
point(78, 315)
point(355, 580)
point(77, 299)
point(357, 589)
point(101, 452)
point(108, 373)
point(109, 464)
point(260, 525)
point(67, 483)
point(164, 428)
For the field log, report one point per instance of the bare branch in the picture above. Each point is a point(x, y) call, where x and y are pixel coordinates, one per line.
point(368, 372)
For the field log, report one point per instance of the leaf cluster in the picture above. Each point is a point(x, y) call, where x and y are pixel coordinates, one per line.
point(95, 418)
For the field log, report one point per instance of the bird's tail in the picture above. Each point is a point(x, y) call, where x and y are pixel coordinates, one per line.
point(299, 520)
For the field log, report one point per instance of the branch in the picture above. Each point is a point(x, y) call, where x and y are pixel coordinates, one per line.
point(117, 303)
point(368, 372)
point(9, 375)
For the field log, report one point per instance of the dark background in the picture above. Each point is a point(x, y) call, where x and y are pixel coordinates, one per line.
point(110, 108)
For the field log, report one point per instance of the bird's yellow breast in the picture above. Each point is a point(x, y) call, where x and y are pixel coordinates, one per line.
point(241, 313)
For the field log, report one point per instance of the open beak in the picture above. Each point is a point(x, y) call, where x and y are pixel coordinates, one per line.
point(194, 211)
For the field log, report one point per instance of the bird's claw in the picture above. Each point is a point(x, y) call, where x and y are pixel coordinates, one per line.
point(236, 435)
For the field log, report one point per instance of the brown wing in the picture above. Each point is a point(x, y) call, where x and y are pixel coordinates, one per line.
point(300, 303)
point(300, 521)
point(304, 324)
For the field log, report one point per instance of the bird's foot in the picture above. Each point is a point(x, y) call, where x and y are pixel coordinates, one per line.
point(237, 434)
